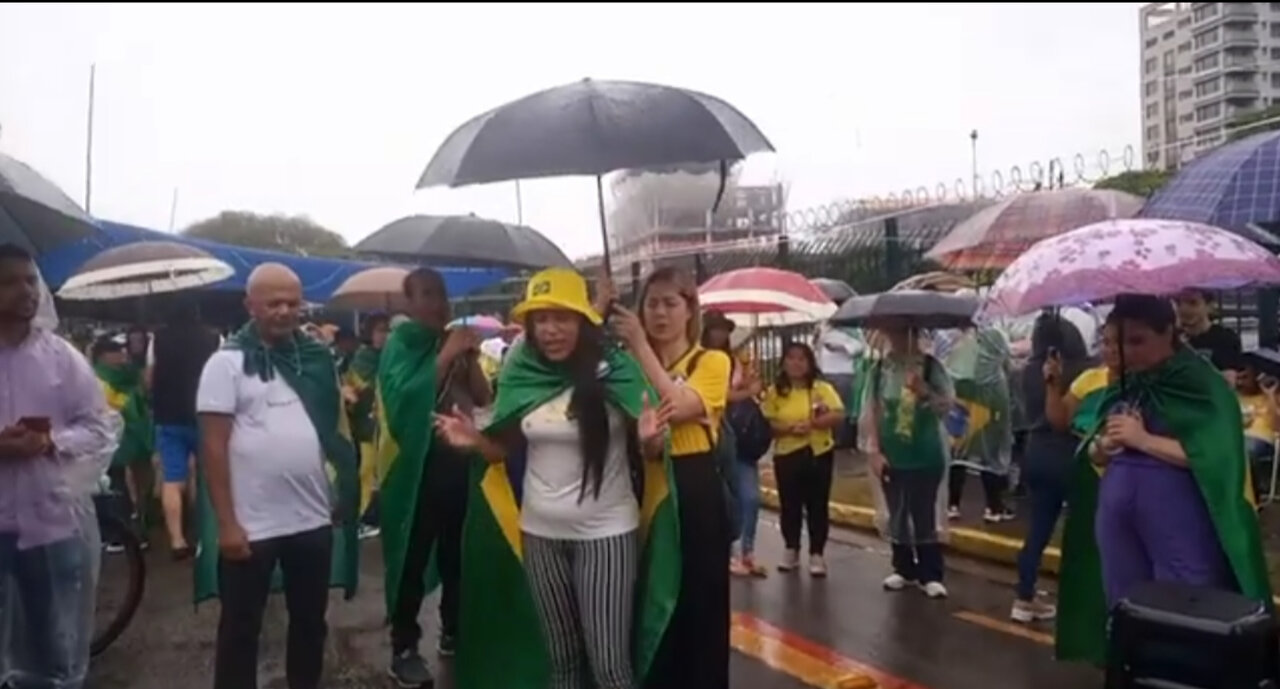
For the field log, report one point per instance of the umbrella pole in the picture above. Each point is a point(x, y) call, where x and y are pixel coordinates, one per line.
point(604, 230)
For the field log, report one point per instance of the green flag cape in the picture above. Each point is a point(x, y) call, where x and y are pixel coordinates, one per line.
point(502, 644)
point(308, 368)
point(406, 392)
point(362, 376)
point(1197, 405)
point(137, 440)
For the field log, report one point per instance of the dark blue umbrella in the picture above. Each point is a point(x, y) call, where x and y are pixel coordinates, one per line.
point(34, 212)
point(1235, 187)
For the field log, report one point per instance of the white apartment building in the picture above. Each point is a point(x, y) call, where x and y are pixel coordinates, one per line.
point(1203, 65)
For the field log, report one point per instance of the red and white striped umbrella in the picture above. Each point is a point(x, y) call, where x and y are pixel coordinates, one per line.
point(765, 297)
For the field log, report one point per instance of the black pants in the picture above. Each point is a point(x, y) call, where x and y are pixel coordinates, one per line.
point(442, 507)
point(694, 652)
point(911, 496)
point(244, 587)
point(804, 491)
point(993, 487)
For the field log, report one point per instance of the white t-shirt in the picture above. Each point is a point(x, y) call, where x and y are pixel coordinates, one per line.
point(553, 479)
point(278, 481)
point(836, 351)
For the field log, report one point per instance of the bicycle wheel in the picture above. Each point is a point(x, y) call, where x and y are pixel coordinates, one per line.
point(111, 619)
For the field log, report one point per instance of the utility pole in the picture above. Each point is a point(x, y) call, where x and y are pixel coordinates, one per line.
point(973, 158)
point(88, 147)
point(173, 210)
point(519, 205)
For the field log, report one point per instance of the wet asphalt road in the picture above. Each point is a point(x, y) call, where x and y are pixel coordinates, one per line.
point(846, 624)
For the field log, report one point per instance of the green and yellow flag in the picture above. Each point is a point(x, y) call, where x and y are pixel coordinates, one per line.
point(1195, 402)
point(406, 394)
point(502, 643)
point(362, 377)
point(308, 368)
point(126, 394)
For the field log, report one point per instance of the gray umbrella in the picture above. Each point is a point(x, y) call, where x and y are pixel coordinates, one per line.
point(918, 308)
point(592, 128)
point(836, 290)
point(144, 268)
point(34, 212)
point(464, 240)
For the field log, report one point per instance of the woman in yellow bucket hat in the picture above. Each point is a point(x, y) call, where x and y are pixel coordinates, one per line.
point(556, 580)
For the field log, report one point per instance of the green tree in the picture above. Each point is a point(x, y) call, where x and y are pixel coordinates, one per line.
point(1248, 125)
point(1139, 182)
point(293, 234)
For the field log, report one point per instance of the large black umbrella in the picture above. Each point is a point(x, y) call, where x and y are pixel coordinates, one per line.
point(464, 240)
point(34, 212)
point(918, 308)
point(593, 128)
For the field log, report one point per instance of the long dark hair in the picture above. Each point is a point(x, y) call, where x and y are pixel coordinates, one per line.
point(587, 405)
point(781, 382)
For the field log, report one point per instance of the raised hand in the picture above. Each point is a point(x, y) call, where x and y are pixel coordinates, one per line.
point(457, 429)
point(652, 423)
point(626, 326)
point(458, 341)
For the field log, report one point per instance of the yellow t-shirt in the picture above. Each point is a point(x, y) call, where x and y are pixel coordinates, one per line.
point(1089, 381)
point(1259, 407)
point(710, 379)
point(797, 406)
point(115, 399)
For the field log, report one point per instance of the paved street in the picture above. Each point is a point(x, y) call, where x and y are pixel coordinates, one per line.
point(790, 632)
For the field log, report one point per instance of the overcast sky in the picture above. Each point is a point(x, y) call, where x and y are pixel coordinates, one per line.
point(333, 111)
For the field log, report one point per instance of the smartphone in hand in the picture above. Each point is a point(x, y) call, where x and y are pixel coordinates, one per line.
point(36, 424)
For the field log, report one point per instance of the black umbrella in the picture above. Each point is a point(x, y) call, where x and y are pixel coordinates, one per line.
point(34, 212)
point(919, 309)
point(593, 128)
point(464, 240)
point(836, 290)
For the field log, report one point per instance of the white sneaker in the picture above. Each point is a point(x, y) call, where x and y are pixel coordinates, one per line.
point(790, 561)
point(895, 582)
point(934, 589)
point(953, 513)
point(1032, 611)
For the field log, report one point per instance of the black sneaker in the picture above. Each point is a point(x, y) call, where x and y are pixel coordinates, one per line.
point(447, 645)
point(410, 671)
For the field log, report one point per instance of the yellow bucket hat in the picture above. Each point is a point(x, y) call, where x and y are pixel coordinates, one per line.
point(556, 288)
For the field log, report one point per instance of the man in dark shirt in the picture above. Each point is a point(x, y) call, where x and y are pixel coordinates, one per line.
point(179, 351)
point(1214, 342)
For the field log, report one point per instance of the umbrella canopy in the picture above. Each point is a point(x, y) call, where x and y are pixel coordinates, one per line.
point(34, 212)
point(487, 326)
point(591, 128)
point(936, 281)
point(766, 297)
point(1137, 256)
point(1232, 186)
point(375, 289)
point(920, 309)
point(836, 290)
point(994, 236)
point(142, 269)
point(464, 239)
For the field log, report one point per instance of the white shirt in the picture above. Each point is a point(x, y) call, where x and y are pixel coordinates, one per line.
point(553, 479)
point(836, 351)
point(278, 481)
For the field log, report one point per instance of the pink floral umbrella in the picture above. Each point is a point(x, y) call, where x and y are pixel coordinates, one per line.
point(1136, 256)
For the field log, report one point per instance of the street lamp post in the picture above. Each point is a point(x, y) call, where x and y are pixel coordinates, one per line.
point(973, 158)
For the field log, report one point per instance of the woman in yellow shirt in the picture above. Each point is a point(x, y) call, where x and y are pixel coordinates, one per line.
point(803, 411)
point(695, 381)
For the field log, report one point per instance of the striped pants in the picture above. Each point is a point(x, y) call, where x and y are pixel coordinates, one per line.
point(584, 592)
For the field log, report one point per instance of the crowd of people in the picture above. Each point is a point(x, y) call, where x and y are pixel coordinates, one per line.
point(582, 498)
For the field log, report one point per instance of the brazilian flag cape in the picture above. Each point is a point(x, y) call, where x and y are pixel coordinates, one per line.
point(127, 395)
point(406, 394)
point(362, 376)
point(308, 369)
point(502, 644)
point(1196, 404)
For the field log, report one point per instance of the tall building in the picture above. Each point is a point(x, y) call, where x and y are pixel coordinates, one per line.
point(1203, 65)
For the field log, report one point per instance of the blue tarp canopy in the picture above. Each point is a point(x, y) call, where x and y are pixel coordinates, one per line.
point(320, 276)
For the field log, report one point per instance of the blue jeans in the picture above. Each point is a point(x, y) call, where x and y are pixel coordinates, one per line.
point(748, 477)
point(57, 616)
point(1048, 493)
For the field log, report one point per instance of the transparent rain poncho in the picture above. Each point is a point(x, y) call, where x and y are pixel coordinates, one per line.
point(48, 574)
point(978, 361)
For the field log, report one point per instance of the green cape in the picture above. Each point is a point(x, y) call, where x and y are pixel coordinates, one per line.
point(1195, 402)
point(362, 376)
point(503, 644)
point(137, 441)
point(308, 368)
point(406, 392)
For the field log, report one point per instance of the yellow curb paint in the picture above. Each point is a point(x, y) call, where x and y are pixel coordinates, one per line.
point(805, 660)
point(1011, 628)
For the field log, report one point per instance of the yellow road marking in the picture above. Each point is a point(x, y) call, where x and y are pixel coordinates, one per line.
point(1011, 628)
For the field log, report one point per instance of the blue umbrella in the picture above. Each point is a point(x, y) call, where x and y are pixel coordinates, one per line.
point(1235, 187)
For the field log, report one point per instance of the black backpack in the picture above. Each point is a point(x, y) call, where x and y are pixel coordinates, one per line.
point(750, 429)
point(725, 452)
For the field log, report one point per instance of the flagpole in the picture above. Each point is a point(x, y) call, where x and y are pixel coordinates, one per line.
point(173, 210)
point(519, 205)
point(88, 148)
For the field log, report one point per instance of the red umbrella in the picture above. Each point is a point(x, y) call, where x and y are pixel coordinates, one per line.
point(766, 297)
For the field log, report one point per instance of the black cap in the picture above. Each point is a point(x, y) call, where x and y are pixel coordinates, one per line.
point(714, 320)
